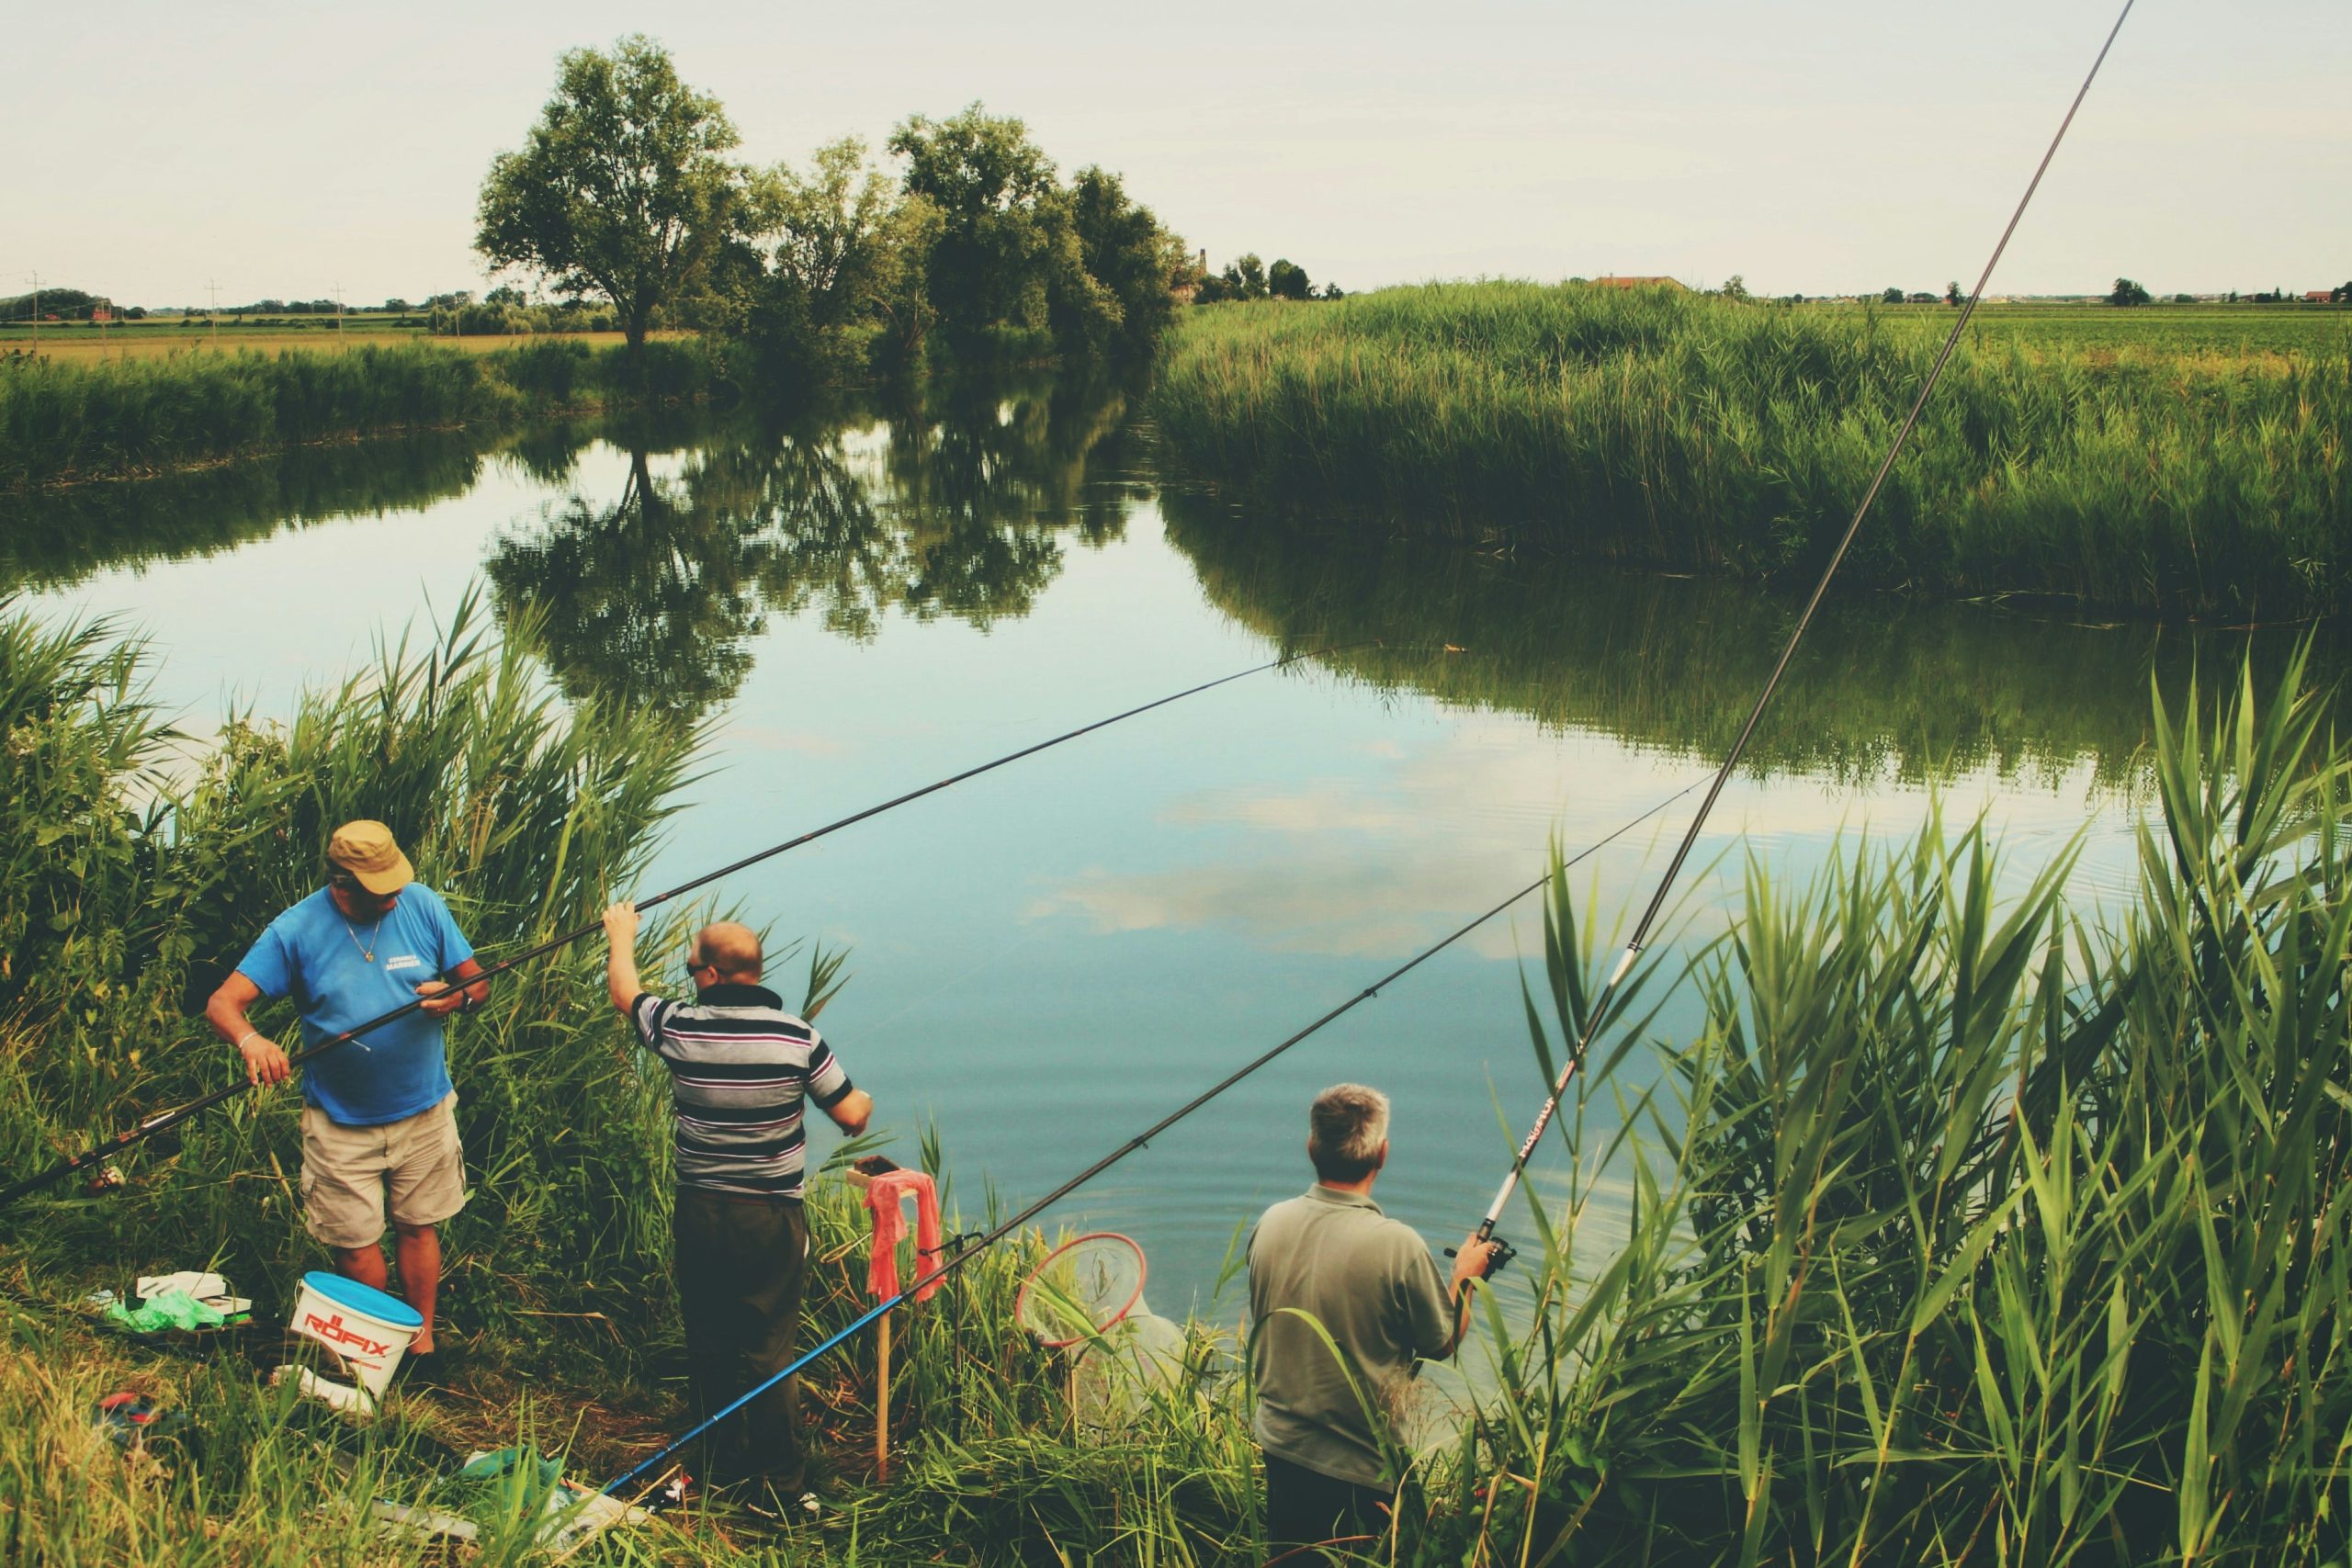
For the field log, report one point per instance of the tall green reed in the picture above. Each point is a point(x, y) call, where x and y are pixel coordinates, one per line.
point(69, 422)
point(1972, 1230)
point(1688, 433)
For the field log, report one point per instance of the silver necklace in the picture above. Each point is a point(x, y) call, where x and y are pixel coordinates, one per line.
point(366, 949)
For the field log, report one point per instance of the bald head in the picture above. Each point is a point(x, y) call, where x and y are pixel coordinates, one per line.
point(732, 950)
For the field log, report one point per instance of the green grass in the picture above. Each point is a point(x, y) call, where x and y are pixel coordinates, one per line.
point(1963, 1232)
point(2196, 329)
point(62, 422)
point(1688, 433)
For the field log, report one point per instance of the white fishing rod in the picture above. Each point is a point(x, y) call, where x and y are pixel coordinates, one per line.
point(1599, 1013)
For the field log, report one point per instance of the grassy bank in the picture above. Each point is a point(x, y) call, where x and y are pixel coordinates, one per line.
point(62, 422)
point(1690, 432)
point(1963, 1232)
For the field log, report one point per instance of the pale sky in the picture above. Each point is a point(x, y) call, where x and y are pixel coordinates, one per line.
point(1814, 146)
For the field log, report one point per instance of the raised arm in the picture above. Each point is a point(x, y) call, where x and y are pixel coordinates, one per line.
point(620, 956)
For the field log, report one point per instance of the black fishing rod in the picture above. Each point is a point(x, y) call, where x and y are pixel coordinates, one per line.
point(1141, 1140)
point(1602, 1003)
point(170, 1119)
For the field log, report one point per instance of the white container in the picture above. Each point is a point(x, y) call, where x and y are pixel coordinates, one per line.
point(367, 1329)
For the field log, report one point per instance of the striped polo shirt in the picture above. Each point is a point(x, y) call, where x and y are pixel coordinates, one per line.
point(739, 1067)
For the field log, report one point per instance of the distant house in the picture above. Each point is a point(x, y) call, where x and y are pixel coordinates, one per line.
point(1675, 284)
point(2319, 296)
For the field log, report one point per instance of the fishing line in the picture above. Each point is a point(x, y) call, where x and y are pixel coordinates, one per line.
point(1600, 1011)
point(1141, 1140)
point(170, 1119)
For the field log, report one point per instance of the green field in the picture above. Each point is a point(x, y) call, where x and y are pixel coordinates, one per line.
point(2247, 330)
point(63, 422)
point(76, 343)
point(1675, 431)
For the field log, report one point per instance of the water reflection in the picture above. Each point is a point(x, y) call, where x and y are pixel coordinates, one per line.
point(958, 506)
point(1883, 686)
point(56, 539)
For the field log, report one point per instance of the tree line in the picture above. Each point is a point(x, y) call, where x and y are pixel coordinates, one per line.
point(626, 191)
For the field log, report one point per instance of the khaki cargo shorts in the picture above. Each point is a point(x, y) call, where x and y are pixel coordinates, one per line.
point(346, 1172)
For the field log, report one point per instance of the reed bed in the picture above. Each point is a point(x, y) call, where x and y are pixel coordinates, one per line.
point(1689, 433)
point(1964, 1232)
point(62, 422)
point(1968, 1234)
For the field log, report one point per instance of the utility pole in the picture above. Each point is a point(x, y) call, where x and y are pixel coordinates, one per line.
point(338, 312)
point(36, 312)
point(213, 320)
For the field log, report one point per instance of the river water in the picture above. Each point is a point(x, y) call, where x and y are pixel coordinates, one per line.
point(1045, 959)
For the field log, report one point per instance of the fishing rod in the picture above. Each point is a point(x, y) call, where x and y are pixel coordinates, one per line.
point(1141, 1140)
point(1600, 1011)
point(172, 1118)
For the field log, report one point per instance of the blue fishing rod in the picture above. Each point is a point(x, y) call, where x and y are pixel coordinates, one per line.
point(168, 1120)
point(1603, 1003)
point(988, 1239)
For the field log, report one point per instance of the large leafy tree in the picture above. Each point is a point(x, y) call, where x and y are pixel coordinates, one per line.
point(623, 189)
point(1123, 248)
point(991, 188)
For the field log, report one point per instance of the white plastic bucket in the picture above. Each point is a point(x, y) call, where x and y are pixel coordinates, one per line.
point(368, 1330)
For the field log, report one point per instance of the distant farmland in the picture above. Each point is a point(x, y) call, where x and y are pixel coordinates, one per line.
point(146, 339)
point(2251, 330)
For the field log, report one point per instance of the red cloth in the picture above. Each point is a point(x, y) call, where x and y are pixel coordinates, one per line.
point(883, 1195)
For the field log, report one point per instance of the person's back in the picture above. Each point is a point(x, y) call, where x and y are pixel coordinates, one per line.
point(1368, 1283)
point(1368, 1280)
point(742, 1072)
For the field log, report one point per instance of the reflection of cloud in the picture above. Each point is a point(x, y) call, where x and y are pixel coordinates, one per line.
point(1381, 864)
point(1329, 905)
point(1321, 810)
point(768, 738)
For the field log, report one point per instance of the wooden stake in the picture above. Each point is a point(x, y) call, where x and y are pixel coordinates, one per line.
point(882, 1399)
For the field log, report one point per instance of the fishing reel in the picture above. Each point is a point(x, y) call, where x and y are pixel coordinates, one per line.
point(1503, 1252)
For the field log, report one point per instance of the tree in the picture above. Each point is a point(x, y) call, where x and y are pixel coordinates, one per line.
point(2341, 294)
point(622, 188)
point(1333, 291)
point(1123, 248)
point(1952, 296)
point(2126, 292)
point(1245, 278)
point(1287, 280)
point(1892, 297)
point(1735, 288)
point(986, 181)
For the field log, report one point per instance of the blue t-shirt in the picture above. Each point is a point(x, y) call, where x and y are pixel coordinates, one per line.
point(315, 955)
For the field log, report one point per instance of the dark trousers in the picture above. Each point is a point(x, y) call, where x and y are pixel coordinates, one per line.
point(741, 1265)
point(1305, 1506)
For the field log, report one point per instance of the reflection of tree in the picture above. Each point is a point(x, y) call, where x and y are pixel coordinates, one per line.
point(956, 509)
point(647, 601)
point(1675, 662)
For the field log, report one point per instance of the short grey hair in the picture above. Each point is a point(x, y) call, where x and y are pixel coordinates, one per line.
point(1346, 1126)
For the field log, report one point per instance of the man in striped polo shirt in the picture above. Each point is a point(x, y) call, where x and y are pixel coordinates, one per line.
point(740, 1069)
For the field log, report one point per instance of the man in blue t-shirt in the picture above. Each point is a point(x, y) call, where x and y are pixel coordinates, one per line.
point(379, 1116)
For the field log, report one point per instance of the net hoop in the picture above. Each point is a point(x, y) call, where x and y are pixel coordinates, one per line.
point(1022, 1314)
